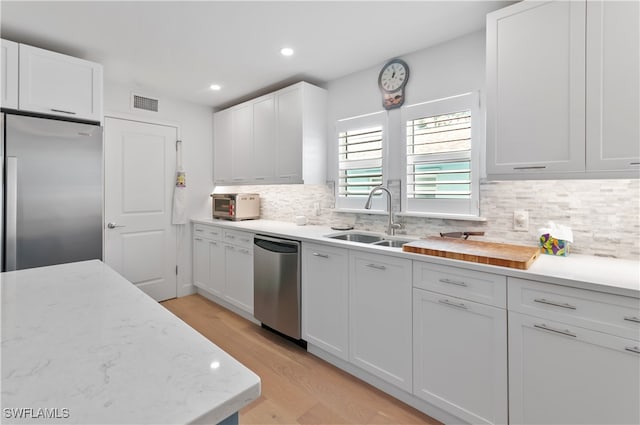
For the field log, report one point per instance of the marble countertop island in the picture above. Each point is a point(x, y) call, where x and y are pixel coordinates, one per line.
point(82, 345)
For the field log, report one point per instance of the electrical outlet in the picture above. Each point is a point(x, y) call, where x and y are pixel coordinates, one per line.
point(521, 220)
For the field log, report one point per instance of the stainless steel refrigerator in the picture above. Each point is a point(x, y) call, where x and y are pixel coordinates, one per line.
point(52, 193)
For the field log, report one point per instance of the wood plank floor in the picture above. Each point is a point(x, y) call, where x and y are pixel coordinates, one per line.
point(297, 387)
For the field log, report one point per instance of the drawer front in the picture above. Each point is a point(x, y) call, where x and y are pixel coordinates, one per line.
point(613, 314)
point(207, 232)
point(485, 288)
point(242, 239)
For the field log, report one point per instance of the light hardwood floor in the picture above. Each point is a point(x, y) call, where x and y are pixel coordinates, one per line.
point(297, 387)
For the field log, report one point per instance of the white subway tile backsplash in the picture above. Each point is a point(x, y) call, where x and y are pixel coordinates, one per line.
point(604, 214)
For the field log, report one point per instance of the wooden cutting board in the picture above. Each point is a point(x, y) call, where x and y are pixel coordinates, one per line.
point(496, 254)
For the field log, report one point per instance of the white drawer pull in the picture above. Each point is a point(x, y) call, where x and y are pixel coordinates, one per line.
point(375, 266)
point(635, 349)
point(632, 319)
point(453, 282)
point(554, 303)
point(452, 304)
point(558, 331)
point(320, 255)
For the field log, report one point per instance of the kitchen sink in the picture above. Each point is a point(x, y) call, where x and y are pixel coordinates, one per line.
point(371, 239)
point(395, 243)
point(357, 237)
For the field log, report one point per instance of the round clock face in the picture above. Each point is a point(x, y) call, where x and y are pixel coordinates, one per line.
point(393, 76)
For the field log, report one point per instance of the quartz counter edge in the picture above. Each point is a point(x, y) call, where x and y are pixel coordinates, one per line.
point(602, 274)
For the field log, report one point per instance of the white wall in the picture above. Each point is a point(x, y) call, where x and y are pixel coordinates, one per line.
point(195, 129)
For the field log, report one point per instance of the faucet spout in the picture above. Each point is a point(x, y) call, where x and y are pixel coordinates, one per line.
point(391, 226)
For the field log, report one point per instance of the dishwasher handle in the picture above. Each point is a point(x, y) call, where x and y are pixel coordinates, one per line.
point(281, 246)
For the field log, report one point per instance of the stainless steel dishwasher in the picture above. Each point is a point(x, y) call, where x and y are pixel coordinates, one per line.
point(276, 280)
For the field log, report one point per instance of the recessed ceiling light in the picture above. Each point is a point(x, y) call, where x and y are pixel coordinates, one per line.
point(215, 87)
point(286, 51)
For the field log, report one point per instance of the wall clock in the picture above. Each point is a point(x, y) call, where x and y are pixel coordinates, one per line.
point(392, 80)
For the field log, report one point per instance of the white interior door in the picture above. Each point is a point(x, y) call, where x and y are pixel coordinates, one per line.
point(140, 241)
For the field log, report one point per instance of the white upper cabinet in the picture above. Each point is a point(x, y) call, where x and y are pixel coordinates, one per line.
point(613, 85)
point(56, 84)
point(563, 91)
point(9, 75)
point(223, 148)
point(535, 88)
point(276, 138)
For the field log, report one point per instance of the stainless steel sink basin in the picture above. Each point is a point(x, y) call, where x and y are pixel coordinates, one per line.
point(396, 243)
point(357, 237)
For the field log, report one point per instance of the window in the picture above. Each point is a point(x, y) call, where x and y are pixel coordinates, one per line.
point(361, 149)
point(441, 171)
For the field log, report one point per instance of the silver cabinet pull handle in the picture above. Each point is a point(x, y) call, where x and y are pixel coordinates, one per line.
point(375, 266)
point(230, 237)
point(558, 331)
point(199, 230)
point(230, 247)
point(453, 282)
point(554, 303)
point(244, 251)
point(452, 304)
point(320, 255)
point(212, 243)
point(533, 167)
point(244, 240)
point(198, 239)
point(11, 214)
point(114, 225)
point(63, 111)
point(632, 319)
point(635, 349)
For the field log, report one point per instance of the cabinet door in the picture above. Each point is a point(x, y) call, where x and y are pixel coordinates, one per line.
point(563, 374)
point(460, 356)
point(380, 316)
point(264, 140)
point(535, 88)
point(57, 84)
point(289, 131)
point(242, 147)
point(325, 295)
point(222, 146)
point(613, 85)
point(239, 277)
point(217, 268)
point(9, 75)
point(200, 262)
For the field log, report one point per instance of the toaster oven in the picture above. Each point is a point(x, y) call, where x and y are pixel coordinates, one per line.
point(235, 206)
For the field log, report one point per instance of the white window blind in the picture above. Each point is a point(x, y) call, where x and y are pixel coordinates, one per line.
point(439, 156)
point(360, 159)
point(441, 169)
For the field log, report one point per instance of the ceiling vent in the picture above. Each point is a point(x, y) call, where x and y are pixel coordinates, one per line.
point(145, 103)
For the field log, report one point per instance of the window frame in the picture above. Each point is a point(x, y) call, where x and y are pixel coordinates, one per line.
point(446, 207)
point(376, 119)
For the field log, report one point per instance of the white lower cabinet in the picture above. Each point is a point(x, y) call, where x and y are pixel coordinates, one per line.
point(223, 264)
point(564, 374)
point(239, 277)
point(460, 356)
point(380, 317)
point(325, 298)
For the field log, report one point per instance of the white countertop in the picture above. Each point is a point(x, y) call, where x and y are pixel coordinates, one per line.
point(81, 337)
point(615, 276)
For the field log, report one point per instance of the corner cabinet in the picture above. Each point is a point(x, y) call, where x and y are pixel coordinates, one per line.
point(562, 90)
point(276, 138)
point(223, 265)
point(9, 75)
point(56, 84)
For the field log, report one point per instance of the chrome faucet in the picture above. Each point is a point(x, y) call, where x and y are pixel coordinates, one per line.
point(391, 226)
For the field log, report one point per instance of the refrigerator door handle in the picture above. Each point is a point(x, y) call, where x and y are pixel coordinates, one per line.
point(11, 214)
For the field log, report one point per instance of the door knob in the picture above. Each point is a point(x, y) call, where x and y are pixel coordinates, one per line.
point(113, 225)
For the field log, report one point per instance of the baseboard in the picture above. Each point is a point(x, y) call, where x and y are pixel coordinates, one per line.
point(228, 306)
point(410, 399)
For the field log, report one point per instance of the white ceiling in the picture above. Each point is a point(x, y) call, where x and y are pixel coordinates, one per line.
point(180, 48)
